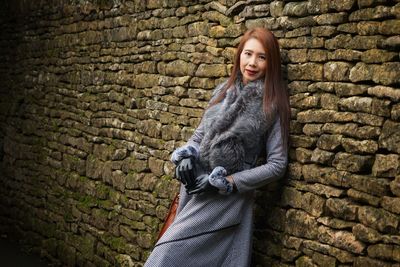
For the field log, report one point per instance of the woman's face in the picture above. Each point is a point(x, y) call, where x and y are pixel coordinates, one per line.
point(253, 61)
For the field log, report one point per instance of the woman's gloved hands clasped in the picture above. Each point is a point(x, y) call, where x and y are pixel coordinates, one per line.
point(215, 181)
point(184, 158)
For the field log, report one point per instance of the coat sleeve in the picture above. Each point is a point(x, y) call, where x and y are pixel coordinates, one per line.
point(272, 170)
point(197, 136)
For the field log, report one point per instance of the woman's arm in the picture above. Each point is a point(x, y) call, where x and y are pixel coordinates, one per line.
point(272, 170)
point(197, 136)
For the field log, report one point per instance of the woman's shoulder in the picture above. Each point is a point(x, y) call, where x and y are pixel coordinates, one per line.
point(219, 88)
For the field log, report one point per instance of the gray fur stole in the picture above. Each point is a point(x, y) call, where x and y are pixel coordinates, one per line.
point(234, 127)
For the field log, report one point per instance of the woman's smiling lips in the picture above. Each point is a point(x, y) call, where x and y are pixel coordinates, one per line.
point(251, 72)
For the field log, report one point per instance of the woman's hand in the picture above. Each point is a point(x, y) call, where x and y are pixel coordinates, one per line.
point(216, 181)
point(185, 172)
point(202, 185)
point(219, 180)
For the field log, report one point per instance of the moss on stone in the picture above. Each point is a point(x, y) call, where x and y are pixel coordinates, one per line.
point(86, 203)
point(67, 215)
point(106, 204)
point(102, 191)
point(116, 243)
point(152, 222)
point(167, 178)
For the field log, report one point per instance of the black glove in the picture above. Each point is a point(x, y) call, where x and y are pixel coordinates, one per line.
point(185, 172)
point(216, 181)
point(202, 184)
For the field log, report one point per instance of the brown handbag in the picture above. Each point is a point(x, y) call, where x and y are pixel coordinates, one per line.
point(170, 216)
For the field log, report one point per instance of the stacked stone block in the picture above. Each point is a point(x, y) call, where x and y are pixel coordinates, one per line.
point(95, 96)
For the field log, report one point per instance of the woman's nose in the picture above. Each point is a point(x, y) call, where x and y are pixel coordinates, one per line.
point(253, 61)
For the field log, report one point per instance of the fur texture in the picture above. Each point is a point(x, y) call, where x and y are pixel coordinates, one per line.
point(183, 152)
point(218, 179)
point(234, 126)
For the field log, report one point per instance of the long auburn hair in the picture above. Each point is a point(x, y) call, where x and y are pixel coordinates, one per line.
point(275, 94)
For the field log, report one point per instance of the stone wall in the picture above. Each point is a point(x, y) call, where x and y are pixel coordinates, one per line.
point(95, 95)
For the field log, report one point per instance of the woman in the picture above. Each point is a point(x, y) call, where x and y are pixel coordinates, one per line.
point(248, 113)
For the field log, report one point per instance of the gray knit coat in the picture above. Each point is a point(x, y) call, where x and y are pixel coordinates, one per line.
point(213, 230)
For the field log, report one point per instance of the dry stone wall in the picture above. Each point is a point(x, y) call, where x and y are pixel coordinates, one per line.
point(95, 95)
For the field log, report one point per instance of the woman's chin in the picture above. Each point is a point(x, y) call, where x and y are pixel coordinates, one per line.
point(247, 79)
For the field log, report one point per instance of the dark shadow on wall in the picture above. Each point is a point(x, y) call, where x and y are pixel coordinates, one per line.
point(12, 255)
point(1, 150)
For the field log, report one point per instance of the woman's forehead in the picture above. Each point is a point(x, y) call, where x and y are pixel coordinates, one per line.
point(254, 45)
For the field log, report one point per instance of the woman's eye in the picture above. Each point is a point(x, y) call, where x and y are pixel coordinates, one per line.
point(262, 58)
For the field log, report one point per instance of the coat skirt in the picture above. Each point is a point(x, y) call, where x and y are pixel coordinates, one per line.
point(209, 230)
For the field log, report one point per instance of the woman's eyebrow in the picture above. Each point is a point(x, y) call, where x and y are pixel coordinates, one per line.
point(249, 50)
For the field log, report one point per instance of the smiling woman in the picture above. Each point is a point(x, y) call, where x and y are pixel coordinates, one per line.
point(217, 167)
point(252, 61)
point(264, 48)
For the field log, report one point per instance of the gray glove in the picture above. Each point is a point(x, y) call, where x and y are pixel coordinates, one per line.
point(184, 152)
point(216, 181)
